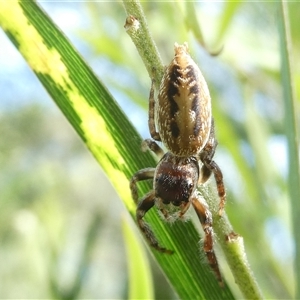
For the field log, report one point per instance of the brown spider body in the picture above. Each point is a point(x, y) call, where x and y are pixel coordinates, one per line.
point(176, 179)
point(182, 115)
point(183, 109)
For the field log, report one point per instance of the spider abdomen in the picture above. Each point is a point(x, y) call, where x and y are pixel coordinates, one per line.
point(183, 114)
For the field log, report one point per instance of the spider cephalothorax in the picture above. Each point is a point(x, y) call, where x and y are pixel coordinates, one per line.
point(181, 119)
point(176, 179)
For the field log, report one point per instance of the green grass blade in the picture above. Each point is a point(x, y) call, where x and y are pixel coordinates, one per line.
point(140, 281)
point(291, 133)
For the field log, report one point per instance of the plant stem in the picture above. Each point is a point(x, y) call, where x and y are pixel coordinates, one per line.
point(137, 28)
point(233, 248)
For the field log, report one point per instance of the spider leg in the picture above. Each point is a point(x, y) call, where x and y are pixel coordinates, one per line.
point(153, 146)
point(210, 166)
point(144, 205)
point(144, 174)
point(162, 209)
point(205, 218)
point(147, 173)
point(151, 122)
point(184, 206)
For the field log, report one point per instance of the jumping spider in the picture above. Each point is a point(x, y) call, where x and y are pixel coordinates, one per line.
point(182, 116)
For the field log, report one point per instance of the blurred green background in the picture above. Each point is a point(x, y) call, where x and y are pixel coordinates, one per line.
point(60, 219)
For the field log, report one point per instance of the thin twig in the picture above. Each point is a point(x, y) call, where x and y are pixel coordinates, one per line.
point(233, 248)
point(137, 28)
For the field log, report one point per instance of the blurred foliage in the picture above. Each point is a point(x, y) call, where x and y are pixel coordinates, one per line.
point(51, 214)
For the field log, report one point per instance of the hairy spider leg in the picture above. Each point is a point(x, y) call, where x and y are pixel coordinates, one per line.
point(147, 173)
point(210, 166)
point(144, 205)
point(153, 146)
point(144, 174)
point(205, 218)
point(151, 122)
point(184, 206)
point(148, 200)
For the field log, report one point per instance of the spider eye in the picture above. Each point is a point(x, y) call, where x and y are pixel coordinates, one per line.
point(186, 190)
